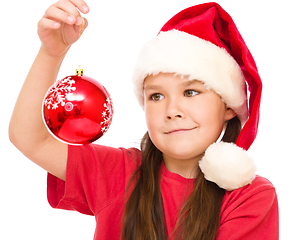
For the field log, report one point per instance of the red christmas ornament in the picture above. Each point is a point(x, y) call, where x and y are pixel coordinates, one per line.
point(77, 109)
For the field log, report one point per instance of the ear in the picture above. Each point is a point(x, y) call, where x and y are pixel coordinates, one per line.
point(229, 114)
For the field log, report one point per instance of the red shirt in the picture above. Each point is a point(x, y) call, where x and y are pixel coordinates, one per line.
point(97, 177)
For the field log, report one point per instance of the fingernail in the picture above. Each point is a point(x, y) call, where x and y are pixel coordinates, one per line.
point(79, 21)
point(70, 19)
point(85, 8)
point(56, 25)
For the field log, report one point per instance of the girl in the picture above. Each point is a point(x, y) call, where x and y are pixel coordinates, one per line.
point(184, 183)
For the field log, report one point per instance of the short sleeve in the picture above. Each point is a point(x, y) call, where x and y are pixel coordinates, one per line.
point(250, 213)
point(96, 175)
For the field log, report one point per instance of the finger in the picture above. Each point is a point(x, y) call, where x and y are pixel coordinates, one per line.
point(83, 25)
point(45, 24)
point(68, 7)
point(81, 5)
point(58, 15)
point(81, 28)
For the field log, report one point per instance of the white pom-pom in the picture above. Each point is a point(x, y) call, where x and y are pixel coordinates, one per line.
point(227, 165)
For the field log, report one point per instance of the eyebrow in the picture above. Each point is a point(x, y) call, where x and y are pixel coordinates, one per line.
point(152, 87)
point(190, 83)
point(184, 84)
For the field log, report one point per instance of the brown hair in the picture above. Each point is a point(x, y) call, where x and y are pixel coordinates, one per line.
point(144, 214)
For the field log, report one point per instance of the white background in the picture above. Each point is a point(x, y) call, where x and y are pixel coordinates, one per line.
point(107, 51)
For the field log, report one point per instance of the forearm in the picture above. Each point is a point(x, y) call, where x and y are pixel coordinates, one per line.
point(26, 128)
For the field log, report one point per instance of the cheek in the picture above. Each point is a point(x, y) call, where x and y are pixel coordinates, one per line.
point(152, 128)
point(151, 119)
point(155, 123)
point(211, 116)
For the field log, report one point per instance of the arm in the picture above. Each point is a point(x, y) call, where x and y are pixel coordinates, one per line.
point(27, 131)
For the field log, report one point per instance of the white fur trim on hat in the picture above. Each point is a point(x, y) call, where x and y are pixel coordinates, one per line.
point(187, 55)
point(228, 166)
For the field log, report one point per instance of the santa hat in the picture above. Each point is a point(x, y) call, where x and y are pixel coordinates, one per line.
point(203, 43)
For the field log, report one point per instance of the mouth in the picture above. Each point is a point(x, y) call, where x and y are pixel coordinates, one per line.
point(181, 130)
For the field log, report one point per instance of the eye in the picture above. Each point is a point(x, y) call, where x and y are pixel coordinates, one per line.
point(190, 93)
point(156, 97)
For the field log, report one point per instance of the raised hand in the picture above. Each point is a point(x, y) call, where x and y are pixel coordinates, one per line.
point(59, 27)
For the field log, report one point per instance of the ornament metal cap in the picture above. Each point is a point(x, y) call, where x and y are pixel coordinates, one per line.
point(79, 71)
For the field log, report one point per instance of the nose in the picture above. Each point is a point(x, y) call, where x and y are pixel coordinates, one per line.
point(176, 116)
point(174, 110)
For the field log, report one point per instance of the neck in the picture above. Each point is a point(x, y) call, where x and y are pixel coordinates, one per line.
point(186, 168)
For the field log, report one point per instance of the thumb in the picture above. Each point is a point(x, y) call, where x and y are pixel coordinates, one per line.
point(82, 26)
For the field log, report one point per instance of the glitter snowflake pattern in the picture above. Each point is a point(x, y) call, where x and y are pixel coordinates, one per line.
point(58, 93)
point(106, 114)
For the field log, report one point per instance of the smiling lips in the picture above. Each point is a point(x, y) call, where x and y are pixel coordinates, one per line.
point(182, 130)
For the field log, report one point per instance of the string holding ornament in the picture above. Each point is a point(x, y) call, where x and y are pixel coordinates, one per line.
point(80, 27)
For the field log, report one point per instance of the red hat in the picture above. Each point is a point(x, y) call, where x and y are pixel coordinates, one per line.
point(203, 43)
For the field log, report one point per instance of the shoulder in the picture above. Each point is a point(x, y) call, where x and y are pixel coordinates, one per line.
point(250, 212)
point(259, 194)
point(94, 155)
point(99, 151)
point(259, 184)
